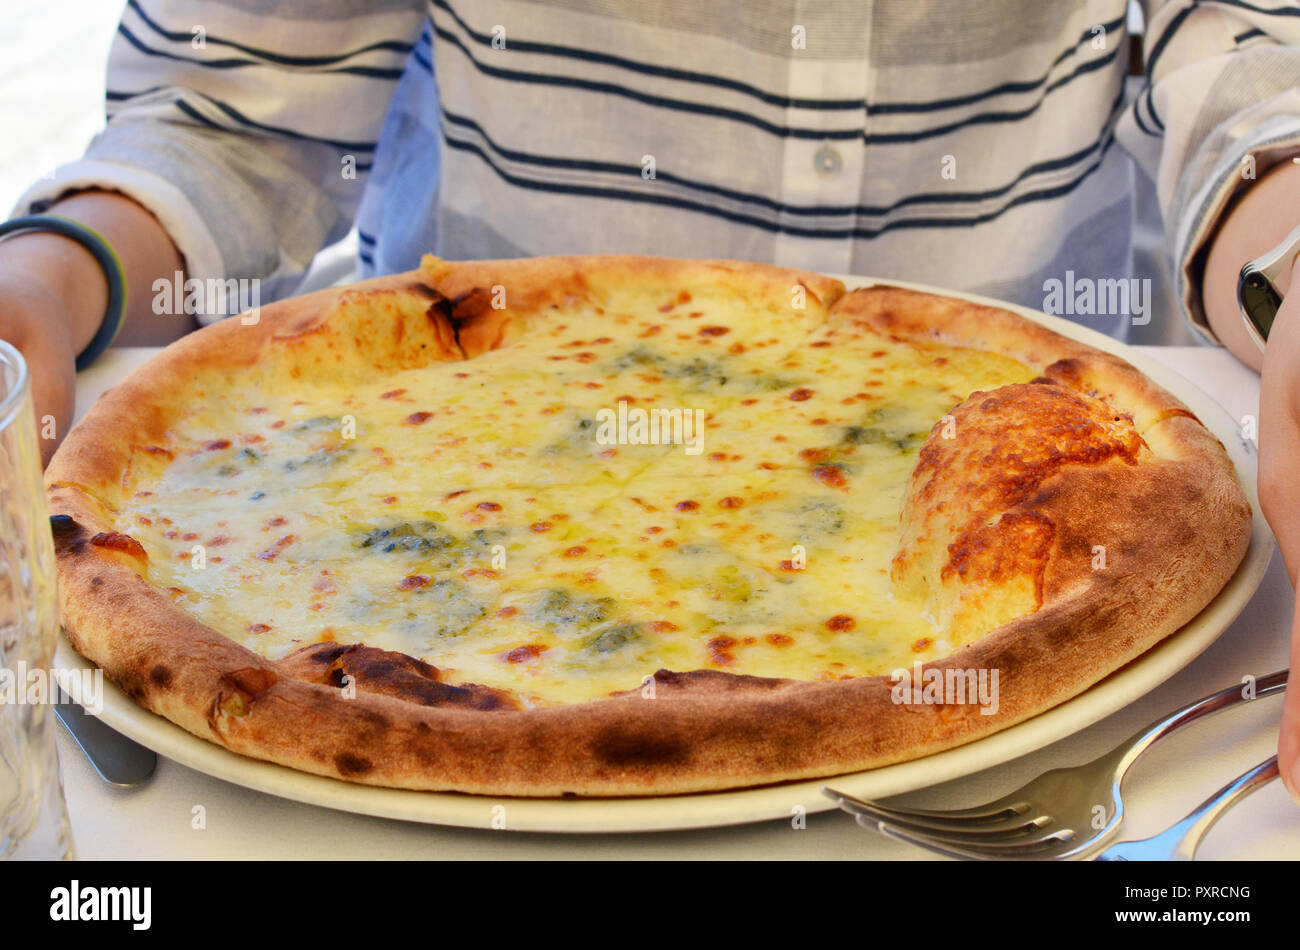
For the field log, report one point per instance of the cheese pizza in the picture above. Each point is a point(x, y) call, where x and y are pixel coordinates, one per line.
point(625, 526)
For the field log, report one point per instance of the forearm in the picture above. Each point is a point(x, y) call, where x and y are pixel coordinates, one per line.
point(1279, 490)
point(68, 272)
point(1260, 218)
point(1279, 431)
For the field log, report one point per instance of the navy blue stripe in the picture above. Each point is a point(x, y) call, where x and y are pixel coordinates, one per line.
point(755, 121)
point(938, 198)
point(1137, 115)
point(197, 116)
point(365, 238)
point(984, 118)
point(423, 52)
point(282, 59)
point(888, 108)
point(678, 105)
point(1178, 20)
point(786, 102)
point(1151, 111)
point(113, 95)
point(1283, 11)
point(739, 218)
point(1248, 35)
point(239, 117)
point(244, 120)
point(1159, 48)
point(650, 69)
point(1154, 57)
point(370, 72)
point(365, 259)
point(423, 59)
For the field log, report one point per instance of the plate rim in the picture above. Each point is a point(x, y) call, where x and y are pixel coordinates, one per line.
point(763, 803)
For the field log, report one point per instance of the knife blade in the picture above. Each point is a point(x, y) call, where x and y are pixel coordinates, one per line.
point(118, 760)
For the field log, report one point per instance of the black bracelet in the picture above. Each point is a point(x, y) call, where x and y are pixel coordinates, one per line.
point(108, 262)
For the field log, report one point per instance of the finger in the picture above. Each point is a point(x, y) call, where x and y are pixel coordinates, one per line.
point(1279, 436)
point(52, 379)
point(1288, 745)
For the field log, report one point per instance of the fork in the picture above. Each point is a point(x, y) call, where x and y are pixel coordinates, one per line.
point(1062, 814)
point(1179, 841)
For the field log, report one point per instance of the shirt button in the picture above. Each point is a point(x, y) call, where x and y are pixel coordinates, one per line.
point(827, 162)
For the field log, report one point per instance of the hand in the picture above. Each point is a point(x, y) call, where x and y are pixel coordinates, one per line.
point(1260, 218)
point(53, 296)
point(35, 320)
point(1279, 493)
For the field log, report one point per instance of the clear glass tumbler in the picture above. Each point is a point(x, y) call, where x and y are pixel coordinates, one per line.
point(33, 818)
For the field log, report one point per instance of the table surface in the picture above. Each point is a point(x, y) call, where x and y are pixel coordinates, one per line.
point(155, 820)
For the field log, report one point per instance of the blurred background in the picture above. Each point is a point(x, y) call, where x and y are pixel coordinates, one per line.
point(52, 56)
point(53, 60)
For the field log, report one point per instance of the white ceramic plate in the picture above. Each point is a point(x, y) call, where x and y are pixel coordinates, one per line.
point(757, 804)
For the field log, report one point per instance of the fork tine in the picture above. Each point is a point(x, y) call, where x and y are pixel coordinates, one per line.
point(1022, 834)
point(983, 815)
point(971, 822)
point(889, 832)
point(996, 810)
point(974, 852)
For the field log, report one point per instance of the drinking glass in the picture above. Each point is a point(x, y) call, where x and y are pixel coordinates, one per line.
point(33, 818)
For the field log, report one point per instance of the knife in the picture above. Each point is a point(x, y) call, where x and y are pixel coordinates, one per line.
point(118, 760)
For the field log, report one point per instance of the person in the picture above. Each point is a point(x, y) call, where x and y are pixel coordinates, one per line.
point(972, 146)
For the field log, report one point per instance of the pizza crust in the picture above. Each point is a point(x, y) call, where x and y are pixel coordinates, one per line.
point(540, 285)
point(1180, 516)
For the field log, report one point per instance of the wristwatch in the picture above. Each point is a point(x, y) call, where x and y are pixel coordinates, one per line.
point(1257, 293)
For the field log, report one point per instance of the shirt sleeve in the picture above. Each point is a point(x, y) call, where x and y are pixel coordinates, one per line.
point(1220, 107)
point(248, 134)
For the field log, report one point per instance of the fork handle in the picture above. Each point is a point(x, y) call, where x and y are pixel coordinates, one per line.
point(1129, 752)
point(1189, 832)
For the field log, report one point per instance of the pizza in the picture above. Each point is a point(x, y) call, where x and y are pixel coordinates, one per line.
point(616, 525)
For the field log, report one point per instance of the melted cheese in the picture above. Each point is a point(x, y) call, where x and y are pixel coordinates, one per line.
point(466, 513)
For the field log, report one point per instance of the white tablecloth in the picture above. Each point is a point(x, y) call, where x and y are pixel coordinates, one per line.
point(154, 820)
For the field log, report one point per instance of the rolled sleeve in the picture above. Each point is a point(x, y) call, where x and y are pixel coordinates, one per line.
point(1221, 107)
point(1238, 152)
point(252, 158)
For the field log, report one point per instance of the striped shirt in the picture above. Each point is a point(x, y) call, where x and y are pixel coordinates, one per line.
point(983, 145)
